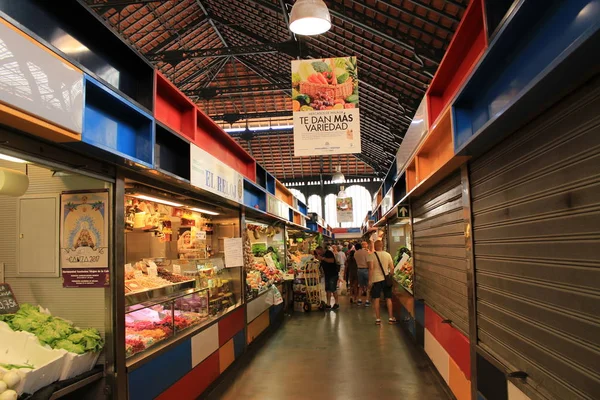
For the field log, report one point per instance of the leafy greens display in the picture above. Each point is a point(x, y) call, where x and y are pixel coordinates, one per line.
point(53, 331)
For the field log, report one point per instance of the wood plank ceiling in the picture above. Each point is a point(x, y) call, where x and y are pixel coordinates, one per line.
point(233, 58)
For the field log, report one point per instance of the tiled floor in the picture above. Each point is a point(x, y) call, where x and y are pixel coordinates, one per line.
point(335, 355)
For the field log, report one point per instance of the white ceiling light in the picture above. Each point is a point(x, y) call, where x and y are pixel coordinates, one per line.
point(338, 177)
point(203, 211)
point(12, 159)
point(310, 17)
point(157, 200)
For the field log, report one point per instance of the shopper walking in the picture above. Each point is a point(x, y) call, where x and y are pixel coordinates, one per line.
point(340, 259)
point(362, 261)
point(352, 275)
point(380, 265)
point(330, 270)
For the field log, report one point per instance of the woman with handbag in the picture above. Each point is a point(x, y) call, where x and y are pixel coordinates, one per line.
point(381, 266)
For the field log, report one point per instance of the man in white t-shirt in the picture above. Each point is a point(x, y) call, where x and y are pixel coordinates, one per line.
point(381, 264)
point(340, 259)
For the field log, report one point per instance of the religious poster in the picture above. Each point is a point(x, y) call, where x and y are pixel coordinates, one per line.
point(325, 106)
point(84, 239)
point(344, 209)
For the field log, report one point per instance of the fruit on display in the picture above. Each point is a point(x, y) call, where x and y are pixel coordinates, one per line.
point(404, 275)
point(53, 331)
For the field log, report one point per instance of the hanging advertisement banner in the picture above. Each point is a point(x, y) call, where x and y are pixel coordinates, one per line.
point(325, 106)
point(84, 239)
point(344, 209)
point(211, 174)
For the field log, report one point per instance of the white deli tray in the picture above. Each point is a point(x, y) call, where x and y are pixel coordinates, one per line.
point(24, 348)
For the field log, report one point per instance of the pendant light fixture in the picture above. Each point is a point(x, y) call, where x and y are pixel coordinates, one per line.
point(310, 17)
point(338, 177)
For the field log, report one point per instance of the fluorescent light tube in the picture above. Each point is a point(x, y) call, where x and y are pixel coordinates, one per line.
point(161, 201)
point(203, 211)
point(12, 159)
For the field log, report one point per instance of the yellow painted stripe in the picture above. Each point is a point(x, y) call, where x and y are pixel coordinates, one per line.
point(256, 327)
point(459, 384)
point(226, 355)
point(36, 126)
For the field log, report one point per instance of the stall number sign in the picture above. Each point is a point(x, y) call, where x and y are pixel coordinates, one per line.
point(8, 303)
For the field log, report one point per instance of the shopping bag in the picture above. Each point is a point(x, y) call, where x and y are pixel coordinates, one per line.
point(277, 298)
point(269, 297)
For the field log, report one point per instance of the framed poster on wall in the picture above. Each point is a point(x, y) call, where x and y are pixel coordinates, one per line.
point(84, 239)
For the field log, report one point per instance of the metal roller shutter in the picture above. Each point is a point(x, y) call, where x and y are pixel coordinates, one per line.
point(536, 229)
point(440, 255)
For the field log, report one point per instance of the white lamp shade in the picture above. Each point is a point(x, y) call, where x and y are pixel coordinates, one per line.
point(13, 183)
point(310, 17)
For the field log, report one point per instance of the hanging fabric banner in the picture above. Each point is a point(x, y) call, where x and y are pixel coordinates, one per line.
point(325, 106)
point(344, 209)
point(84, 239)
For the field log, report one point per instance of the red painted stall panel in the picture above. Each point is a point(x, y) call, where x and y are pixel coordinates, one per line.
point(231, 325)
point(465, 49)
point(211, 138)
point(192, 385)
point(454, 342)
point(173, 108)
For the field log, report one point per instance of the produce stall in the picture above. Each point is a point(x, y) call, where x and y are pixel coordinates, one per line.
point(266, 264)
point(54, 280)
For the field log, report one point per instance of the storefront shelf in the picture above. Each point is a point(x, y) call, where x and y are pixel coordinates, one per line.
point(496, 12)
point(400, 188)
point(213, 139)
point(283, 194)
point(465, 49)
point(82, 38)
point(254, 196)
point(411, 176)
point(173, 108)
point(261, 176)
point(171, 153)
point(270, 183)
point(535, 52)
point(114, 124)
point(437, 149)
point(150, 297)
point(302, 208)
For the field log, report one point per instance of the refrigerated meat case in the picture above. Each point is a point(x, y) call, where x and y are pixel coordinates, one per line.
point(176, 281)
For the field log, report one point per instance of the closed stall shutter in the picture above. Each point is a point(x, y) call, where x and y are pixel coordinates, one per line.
point(439, 251)
point(536, 229)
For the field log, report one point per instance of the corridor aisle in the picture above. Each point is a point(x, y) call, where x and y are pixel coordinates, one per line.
point(335, 355)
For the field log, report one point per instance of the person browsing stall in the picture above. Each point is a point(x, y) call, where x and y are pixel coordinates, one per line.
point(331, 272)
point(380, 265)
point(362, 258)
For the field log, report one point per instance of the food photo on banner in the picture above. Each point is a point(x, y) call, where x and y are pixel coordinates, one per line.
point(325, 106)
point(344, 209)
point(84, 239)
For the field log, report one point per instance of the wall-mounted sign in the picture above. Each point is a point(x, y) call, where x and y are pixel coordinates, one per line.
point(8, 302)
point(344, 208)
point(84, 239)
point(234, 252)
point(325, 106)
point(213, 175)
point(402, 210)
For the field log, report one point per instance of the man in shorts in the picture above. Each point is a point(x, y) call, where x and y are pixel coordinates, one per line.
point(361, 255)
point(381, 264)
point(331, 272)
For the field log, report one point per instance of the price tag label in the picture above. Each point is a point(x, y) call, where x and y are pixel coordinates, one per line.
point(153, 270)
point(200, 235)
point(177, 269)
point(152, 264)
point(137, 274)
point(128, 267)
point(8, 302)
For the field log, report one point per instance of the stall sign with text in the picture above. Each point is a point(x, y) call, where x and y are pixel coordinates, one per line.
point(8, 302)
point(84, 239)
point(211, 174)
point(325, 106)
